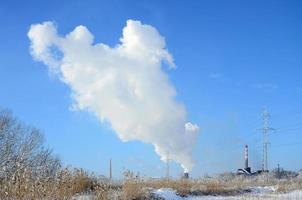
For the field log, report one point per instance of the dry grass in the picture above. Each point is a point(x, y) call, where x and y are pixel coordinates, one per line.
point(133, 187)
point(67, 183)
point(101, 191)
point(185, 187)
point(289, 185)
point(230, 186)
point(24, 185)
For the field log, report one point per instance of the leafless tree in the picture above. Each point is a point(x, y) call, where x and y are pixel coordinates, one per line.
point(22, 147)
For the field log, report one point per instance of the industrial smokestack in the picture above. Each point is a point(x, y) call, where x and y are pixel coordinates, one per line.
point(246, 157)
point(186, 175)
point(247, 169)
point(110, 169)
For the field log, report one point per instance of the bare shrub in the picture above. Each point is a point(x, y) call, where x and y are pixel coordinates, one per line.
point(283, 174)
point(133, 187)
point(102, 191)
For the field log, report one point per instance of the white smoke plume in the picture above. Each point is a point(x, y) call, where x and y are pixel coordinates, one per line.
point(124, 85)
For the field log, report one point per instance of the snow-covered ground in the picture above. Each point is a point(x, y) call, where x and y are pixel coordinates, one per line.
point(83, 197)
point(267, 193)
point(257, 193)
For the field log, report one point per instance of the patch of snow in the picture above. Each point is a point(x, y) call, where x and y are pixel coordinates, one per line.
point(166, 193)
point(83, 197)
point(263, 190)
point(257, 193)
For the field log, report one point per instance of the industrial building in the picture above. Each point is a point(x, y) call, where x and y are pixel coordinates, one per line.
point(247, 171)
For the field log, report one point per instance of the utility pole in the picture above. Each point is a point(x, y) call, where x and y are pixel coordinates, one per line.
point(168, 167)
point(278, 171)
point(110, 169)
point(265, 130)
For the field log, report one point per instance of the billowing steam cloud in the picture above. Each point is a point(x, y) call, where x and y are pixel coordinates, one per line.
point(124, 85)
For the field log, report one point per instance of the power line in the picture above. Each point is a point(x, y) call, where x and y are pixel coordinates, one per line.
point(294, 126)
point(289, 113)
point(296, 131)
point(288, 144)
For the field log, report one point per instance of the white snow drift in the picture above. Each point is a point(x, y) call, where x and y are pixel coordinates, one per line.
point(124, 85)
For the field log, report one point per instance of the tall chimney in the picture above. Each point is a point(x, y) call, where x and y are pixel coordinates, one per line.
point(186, 175)
point(246, 157)
point(110, 169)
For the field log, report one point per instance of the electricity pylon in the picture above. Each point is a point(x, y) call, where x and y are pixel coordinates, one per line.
point(265, 130)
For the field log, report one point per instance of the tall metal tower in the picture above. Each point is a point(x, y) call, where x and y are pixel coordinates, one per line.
point(265, 130)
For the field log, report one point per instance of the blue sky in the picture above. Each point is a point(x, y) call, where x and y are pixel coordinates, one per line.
point(233, 58)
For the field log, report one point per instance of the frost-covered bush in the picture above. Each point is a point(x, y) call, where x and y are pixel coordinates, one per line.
point(226, 176)
point(300, 174)
point(283, 174)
